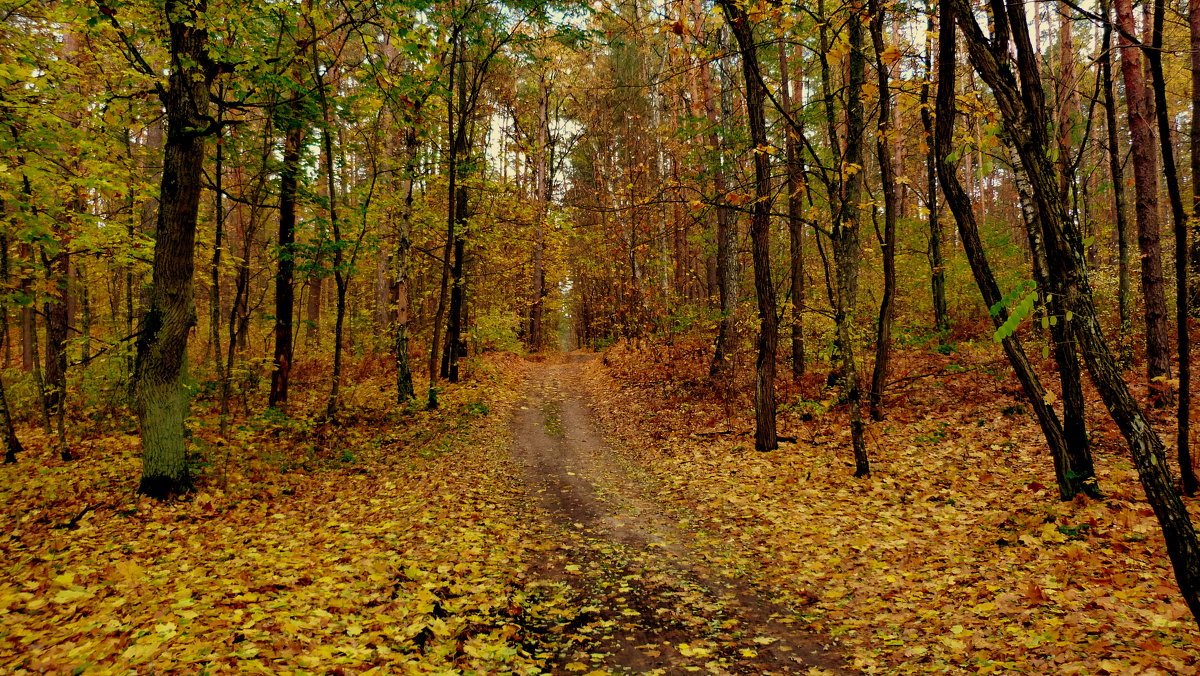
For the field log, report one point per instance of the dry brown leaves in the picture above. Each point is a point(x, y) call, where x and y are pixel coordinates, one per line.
point(954, 556)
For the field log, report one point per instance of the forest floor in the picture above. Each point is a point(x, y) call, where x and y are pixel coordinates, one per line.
point(663, 608)
point(592, 516)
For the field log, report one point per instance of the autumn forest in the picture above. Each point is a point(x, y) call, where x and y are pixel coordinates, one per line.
point(669, 336)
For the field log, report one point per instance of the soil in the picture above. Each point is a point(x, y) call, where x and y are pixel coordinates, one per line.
point(650, 603)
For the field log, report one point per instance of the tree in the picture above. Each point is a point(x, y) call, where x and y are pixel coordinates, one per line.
point(883, 149)
point(158, 394)
point(1139, 103)
point(1020, 99)
point(765, 438)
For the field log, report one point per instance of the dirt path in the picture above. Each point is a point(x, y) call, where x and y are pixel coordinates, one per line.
point(652, 606)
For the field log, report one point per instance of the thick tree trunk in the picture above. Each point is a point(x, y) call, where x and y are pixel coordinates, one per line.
point(161, 363)
point(285, 279)
point(765, 438)
point(884, 142)
point(1145, 173)
point(1024, 119)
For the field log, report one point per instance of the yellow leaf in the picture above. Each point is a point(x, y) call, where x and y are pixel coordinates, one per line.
point(575, 666)
point(71, 595)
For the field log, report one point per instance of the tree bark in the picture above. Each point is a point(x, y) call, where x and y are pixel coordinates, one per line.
point(159, 398)
point(765, 438)
point(726, 221)
point(404, 382)
point(285, 279)
point(795, 186)
point(883, 148)
point(541, 198)
point(1194, 38)
point(937, 263)
point(1183, 412)
point(847, 223)
point(1121, 213)
point(1145, 173)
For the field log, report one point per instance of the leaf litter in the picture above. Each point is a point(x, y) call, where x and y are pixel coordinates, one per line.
point(955, 556)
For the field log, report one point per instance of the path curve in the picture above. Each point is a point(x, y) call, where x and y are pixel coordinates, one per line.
point(652, 606)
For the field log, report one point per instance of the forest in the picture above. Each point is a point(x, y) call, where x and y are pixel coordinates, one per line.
point(605, 337)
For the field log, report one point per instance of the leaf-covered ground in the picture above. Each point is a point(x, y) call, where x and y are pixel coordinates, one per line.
point(955, 556)
point(395, 542)
point(407, 541)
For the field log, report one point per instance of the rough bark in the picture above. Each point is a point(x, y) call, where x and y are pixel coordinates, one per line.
point(726, 232)
point(404, 382)
point(795, 175)
point(1138, 100)
point(285, 298)
point(1179, 218)
point(1194, 39)
point(937, 263)
point(1116, 170)
point(765, 438)
point(883, 149)
point(960, 205)
point(159, 398)
point(538, 283)
point(847, 223)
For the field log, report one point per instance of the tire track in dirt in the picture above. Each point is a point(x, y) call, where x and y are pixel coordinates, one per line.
point(650, 604)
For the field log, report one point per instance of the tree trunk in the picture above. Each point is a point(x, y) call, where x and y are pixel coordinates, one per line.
point(404, 383)
point(1183, 413)
point(726, 233)
point(57, 270)
point(285, 291)
point(457, 289)
point(795, 176)
point(1145, 173)
point(158, 394)
point(12, 445)
point(960, 205)
point(765, 438)
point(883, 337)
point(1078, 472)
point(541, 198)
point(214, 290)
point(1194, 36)
point(937, 263)
point(455, 141)
point(340, 275)
point(1121, 214)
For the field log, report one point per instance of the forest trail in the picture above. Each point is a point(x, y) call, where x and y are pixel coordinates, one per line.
point(652, 605)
